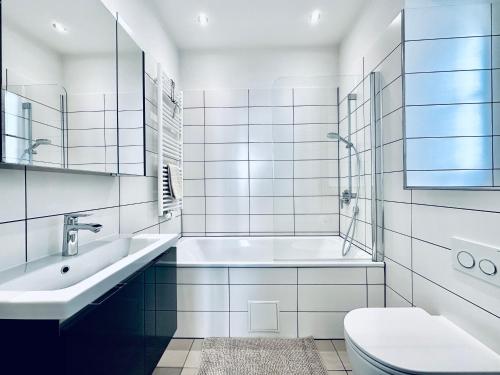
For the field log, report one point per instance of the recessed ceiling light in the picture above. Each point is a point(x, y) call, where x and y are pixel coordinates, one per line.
point(59, 27)
point(202, 19)
point(315, 16)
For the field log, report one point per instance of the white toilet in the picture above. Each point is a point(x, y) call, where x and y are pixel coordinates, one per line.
point(411, 341)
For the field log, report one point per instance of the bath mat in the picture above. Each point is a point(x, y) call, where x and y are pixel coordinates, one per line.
point(258, 356)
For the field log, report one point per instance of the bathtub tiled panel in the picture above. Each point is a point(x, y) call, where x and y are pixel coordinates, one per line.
point(312, 301)
point(257, 162)
point(36, 202)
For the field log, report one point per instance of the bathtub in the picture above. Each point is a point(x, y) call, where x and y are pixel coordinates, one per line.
point(272, 286)
point(269, 251)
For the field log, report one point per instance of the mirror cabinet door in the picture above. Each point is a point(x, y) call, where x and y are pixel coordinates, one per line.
point(60, 101)
point(452, 84)
point(131, 120)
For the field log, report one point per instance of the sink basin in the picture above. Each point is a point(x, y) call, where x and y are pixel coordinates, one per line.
point(57, 287)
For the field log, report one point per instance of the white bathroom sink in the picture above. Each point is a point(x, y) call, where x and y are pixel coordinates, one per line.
point(57, 287)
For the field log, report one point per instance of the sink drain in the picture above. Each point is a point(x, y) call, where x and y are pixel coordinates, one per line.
point(64, 269)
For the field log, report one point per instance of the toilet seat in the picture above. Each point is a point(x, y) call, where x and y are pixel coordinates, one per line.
point(410, 341)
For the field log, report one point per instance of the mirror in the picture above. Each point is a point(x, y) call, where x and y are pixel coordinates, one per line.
point(60, 83)
point(131, 96)
point(452, 97)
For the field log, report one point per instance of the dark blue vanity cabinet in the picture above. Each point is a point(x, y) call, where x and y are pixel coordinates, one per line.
point(124, 332)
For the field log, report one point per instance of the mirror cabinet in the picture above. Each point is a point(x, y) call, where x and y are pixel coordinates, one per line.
point(72, 88)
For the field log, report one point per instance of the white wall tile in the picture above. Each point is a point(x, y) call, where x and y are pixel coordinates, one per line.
point(227, 205)
point(439, 225)
point(285, 294)
point(226, 116)
point(315, 115)
point(315, 168)
point(172, 226)
point(271, 187)
point(232, 151)
point(60, 190)
point(399, 279)
point(397, 217)
point(376, 296)
point(340, 297)
point(395, 300)
point(315, 150)
point(332, 275)
point(193, 134)
point(202, 297)
point(271, 115)
point(271, 205)
point(271, 97)
point(202, 324)
point(447, 21)
point(12, 236)
point(193, 205)
point(227, 223)
point(398, 247)
point(226, 98)
point(138, 216)
point(317, 223)
point(138, 189)
point(314, 132)
point(375, 275)
point(316, 186)
point(194, 116)
point(287, 326)
point(263, 275)
point(193, 170)
point(316, 205)
point(226, 134)
point(12, 188)
point(192, 98)
point(274, 133)
point(271, 151)
point(193, 152)
point(270, 169)
point(186, 275)
point(227, 187)
point(193, 224)
point(194, 188)
point(226, 169)
point(315, 96)
point(321, 325)
point(268, 224)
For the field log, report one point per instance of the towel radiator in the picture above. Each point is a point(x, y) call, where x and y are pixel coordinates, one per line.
point(169, 140)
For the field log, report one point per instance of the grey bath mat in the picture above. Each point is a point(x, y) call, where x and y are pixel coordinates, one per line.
point(258, 356)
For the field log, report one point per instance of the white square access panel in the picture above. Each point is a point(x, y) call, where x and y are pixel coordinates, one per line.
point(263, 316)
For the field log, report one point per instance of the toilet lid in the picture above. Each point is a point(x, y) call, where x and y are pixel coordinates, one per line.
point(412, 341)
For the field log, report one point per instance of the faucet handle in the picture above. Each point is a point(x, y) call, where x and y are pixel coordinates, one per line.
point(71, 217)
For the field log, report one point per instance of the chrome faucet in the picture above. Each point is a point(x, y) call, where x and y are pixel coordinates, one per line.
point(70, 232)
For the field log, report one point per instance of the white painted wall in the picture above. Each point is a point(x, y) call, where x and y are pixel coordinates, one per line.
point(371, 24)
point(149, 33)
point(256, 68)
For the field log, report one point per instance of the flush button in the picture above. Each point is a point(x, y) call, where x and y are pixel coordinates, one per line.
point(466, 259)
point(488, 267)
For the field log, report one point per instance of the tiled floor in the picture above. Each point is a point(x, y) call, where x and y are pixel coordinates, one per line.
point(182, 357)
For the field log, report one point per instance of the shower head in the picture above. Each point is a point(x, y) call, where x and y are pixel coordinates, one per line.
point(337, 137)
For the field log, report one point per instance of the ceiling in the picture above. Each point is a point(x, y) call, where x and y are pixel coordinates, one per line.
point(257, 23)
